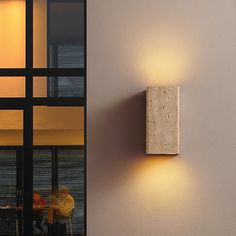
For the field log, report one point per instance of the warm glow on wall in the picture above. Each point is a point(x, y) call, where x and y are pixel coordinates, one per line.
point(163, 59)
point(165, 179)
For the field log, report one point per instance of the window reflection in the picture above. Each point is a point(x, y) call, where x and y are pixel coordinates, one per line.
point(66, 34)
point(58, 87)
point(71, 175)
point(59, 190)
point(59, 38)
point(10, 195)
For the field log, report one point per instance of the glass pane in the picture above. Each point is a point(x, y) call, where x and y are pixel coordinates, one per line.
point(58, 189)
point(58, 125)
point(42, 163)
point(11, 124)
point(12, 39)
point(40, 33)
point(58, 87)
point(59, 34)
point(71, 176)
point(8, 192)
point(11, 127)
point(42, 189)
point(12, 87)
point(8, 177)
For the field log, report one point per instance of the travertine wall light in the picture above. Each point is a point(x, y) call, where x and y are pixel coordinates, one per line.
point(162, 120)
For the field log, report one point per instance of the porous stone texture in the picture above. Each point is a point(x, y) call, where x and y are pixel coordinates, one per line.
point(162, 120)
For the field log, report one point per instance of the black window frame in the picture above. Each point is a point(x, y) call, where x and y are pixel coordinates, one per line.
point(27, 103)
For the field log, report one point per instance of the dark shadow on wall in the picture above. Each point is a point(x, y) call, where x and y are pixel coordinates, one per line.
point(116, 139)
point(117, 142)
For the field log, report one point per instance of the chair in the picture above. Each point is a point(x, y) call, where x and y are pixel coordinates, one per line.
point(70, 221)
point(17, 227)
point(65, 220)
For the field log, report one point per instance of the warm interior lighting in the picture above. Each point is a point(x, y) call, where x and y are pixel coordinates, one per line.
point(11, 127)
point(12, 44)
point(11, 120)
point(52, 126)
point(12, 38)
point(40, 86)
point(12, 87)
point(58, 125)
point(40, 33)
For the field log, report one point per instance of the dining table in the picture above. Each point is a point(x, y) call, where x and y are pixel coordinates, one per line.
point(9, 216)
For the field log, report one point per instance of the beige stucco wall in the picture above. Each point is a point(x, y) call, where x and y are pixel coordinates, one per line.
point(133, 44)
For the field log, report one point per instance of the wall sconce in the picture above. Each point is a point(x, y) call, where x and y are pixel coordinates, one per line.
point(162, 120)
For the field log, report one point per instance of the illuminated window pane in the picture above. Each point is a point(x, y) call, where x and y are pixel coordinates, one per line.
point(11, 127)
point(12, 87)
point(12, 38)
point(58, 125)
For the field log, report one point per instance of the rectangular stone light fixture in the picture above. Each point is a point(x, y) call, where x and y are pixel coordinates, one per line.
point(162, 120)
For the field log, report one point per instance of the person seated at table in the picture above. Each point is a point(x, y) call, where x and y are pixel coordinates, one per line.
point(64, 204)
point(38, 205)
